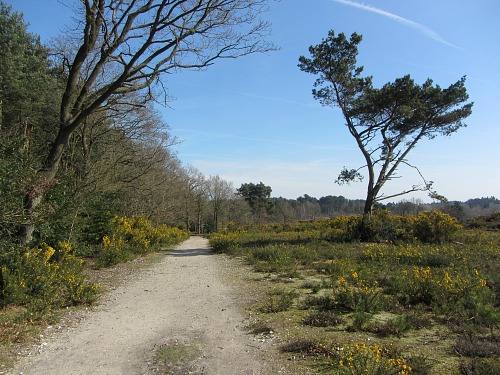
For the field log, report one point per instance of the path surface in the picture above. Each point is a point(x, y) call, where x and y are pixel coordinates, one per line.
point(185, 299)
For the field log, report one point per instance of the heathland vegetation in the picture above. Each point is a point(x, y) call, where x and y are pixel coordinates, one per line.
point(87, 174)
point(379, 294)
point(88, 179)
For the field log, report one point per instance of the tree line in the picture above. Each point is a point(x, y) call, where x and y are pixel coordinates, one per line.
point(267, 209)
point(81, 139)
point(310, 208)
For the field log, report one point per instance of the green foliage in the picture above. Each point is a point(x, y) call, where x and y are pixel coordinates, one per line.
point(352, 358)
point(380, 226)
point(134, 236)
point(355, 294)
point(279, 301)
point(14, 170)
point(45, 278)
point(491, 222)
point(369, 359)
point(434, 226)
point(28, 113)
point(96, 220)
point(398, 115)
point(258, 197)
point(359, 320)
point(394, 326)
point(383, 291)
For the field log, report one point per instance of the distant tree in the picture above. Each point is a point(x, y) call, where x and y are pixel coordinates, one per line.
point(387, 123)
point(194, 197)
point(239, 212)
point(332, 205)
point(220, 193)
point(126, 46)
point(309, 208)
point(455, 209)
point(406, 207)
point(284, 210)
point(258, 198)
point(482, 202)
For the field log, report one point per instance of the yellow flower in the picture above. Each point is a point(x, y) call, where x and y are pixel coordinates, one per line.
point(65, 246)
point(49, 251)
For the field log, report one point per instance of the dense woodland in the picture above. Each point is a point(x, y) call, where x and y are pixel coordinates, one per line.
point(118, 161)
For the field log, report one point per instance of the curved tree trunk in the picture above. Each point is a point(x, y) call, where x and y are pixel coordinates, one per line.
point(370, 200)
point(46, 179)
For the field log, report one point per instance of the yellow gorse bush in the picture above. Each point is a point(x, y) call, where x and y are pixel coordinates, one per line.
point(356, 293)
point(46, 277)
point(368, 359)
point(136, 235)
point(450, 279)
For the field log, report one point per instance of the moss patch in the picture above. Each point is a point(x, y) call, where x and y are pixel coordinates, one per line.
point(175, 359)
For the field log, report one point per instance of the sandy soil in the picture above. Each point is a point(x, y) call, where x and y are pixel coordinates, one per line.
point(187, 300)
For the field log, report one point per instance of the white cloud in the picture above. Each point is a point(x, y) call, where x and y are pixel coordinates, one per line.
point(423, 29)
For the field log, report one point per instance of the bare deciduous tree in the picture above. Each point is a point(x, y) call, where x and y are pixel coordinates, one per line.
point(125, 46)
point(220, 193)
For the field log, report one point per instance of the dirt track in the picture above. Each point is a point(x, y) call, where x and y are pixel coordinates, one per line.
point(187, 300)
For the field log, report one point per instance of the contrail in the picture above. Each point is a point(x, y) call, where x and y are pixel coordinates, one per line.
point(423, 29)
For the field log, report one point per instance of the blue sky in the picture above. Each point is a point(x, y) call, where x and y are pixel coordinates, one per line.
point(254, 119)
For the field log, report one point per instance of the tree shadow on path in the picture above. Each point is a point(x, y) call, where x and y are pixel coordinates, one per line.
point(190, 252)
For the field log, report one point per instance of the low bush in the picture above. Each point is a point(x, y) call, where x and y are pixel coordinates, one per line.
point(393, 327)
point(324, 303)
point(44, 278)
point(480, 366)
point(135, 236)
point(356, 294)
point(471, 345)
point(432, 283)
point(323, 319)
point(434, 226)
point(278, 301)
point(369, 359)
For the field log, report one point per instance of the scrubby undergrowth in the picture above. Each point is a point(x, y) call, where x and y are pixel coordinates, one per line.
point(37, 281)
point(419, 296)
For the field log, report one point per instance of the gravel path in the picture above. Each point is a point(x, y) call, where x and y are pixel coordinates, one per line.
point(184, 301)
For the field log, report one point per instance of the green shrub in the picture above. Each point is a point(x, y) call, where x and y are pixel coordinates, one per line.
point(480, 366)
point(279, 301)
point(113, 251)
point(323, 303)
point(369, 359)
point(222, 242)
point(323, 319)
point(135, 235)
point(45, 278)
point(393, 327)
point(356, 294)
point(381, 226)
point(434, 226)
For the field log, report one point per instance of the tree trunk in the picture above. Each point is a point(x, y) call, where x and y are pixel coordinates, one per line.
point(46, 180)
point(370, 201)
